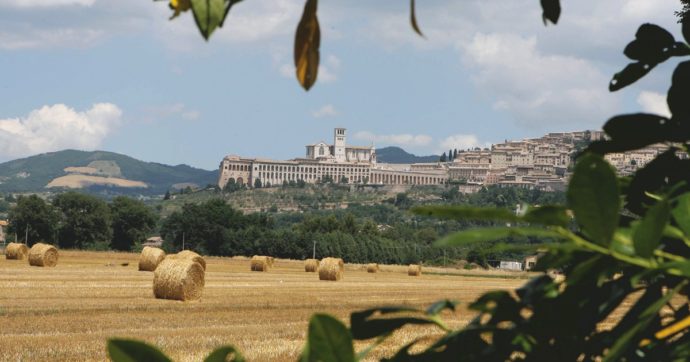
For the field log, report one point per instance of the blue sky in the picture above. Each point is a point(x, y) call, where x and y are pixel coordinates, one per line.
point(118, 76)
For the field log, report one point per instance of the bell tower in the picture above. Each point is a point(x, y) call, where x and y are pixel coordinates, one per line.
point(339, 145)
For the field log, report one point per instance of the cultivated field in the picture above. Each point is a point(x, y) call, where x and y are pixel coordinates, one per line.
point(68, 312)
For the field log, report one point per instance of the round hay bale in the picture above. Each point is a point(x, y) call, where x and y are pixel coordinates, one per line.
point(414, 270)
point(16, 251)
point(311, 265)
point(271, 260)
point(190, 255)
point(260, 263)
point(178, 279)
point(150, 258)
point(372, 268)
point(43, 255)
point(331, 269)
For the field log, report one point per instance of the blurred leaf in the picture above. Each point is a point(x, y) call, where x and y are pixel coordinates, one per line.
point(413, 19)
point(641, 129)
point(623, 242)
point(328, 340)
point(221, 355)
point(128, 350)
point(229, 6)
point(179, 6)
point(648, 232)
point(551, 11)
point(365, 325)
point(550, 215)
point(208, 15)
point(629, 75)
point(471, 236)
point(439, 306)
point(654, 34)
point(686, 28)
point(594, 197)
point(677, 98)
point(307, 42)
point(681, 213)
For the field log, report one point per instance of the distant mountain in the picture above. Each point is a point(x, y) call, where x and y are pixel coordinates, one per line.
point(398, 155)
point(97, 171)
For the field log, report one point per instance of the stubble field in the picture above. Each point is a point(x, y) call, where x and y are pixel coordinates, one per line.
point(67, 313)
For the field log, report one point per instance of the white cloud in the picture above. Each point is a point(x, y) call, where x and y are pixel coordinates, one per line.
point(653, 102)
point(538, 89)
point(56, 127)
point(44, 3)
point(326, 111)
point(37, 38)
point(395, 139)
point(461, 142)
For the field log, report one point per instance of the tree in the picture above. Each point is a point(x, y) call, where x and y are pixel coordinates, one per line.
point(167, 195)
point(84, 220)
point(257, 183)
point(443, 157)
point(132, 221)
point(455, 154)
point(32, 213)
point(450, 155)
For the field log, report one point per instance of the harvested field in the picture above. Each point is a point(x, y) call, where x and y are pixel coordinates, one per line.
point(66, 313)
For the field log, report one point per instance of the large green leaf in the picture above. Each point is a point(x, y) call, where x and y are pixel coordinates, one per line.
point(128, 350)
point(681, 213)
point(328, 340)
point(648, 232)
point(471, 236)
point(221, 355)
point(594, 197)
point(307, 43)
point(208, 14)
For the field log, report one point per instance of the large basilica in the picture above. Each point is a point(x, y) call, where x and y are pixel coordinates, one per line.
point(336, 162)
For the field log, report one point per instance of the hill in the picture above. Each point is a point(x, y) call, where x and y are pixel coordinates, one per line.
point(398, 155)
point(97, 171)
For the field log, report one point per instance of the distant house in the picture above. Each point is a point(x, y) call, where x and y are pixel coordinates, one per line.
point(3, 225)
point(530, 262)
point(154, 241)
point(510, 265)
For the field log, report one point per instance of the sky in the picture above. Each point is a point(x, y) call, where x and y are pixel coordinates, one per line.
point(120, 76)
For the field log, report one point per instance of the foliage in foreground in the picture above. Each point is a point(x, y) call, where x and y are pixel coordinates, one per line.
point(631, 244)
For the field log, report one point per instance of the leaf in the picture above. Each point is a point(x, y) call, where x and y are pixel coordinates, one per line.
point(677, 97)
point(229, 6)
point(128, 350)
point(439, 306)
point(640, 129)
point(464, 212)
point(550, 215)
point(681, 213)
point(654, 34)
point(179, 6)
point(648, 232)
point(413, 19)
point(594, 197)
point(307, 42)
point(208, 15)
point(629, 75)
point(328, 340)
point(363, 325)
point(472, 236)
point(551, 11)
point(221, 355)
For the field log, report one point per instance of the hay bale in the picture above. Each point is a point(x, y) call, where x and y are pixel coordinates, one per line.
point(260, 263)
point(190, 255)
point(16, 251)
point(311, 265)
point(43, 255)
point(178, 279)
point(372, 268)
point(414, 270)
point(150, 258)
point(331, 269)
point(271, 260)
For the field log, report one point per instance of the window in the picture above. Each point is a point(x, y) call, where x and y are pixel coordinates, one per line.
point(321, 151)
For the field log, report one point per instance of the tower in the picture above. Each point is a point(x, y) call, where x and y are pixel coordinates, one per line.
point(339, 145)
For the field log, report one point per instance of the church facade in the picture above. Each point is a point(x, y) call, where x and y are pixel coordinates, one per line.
point(337, 162)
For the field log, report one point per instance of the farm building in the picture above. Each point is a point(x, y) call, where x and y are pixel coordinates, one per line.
point(510, 265)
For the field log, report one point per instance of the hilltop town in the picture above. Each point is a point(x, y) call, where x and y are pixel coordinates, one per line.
point(542, 163)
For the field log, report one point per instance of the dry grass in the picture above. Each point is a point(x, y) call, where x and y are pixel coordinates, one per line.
point(67, 313)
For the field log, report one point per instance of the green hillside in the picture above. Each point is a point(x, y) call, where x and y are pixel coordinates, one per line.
point(398, 155)
point(33, 173)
